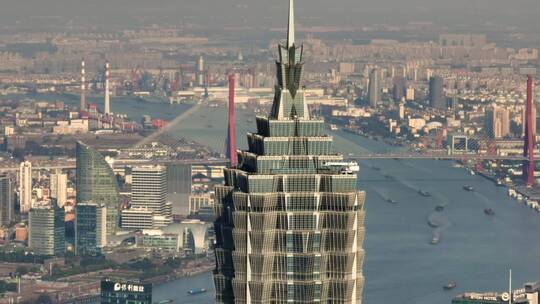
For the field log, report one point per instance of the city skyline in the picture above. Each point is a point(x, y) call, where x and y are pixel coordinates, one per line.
point(125, 169)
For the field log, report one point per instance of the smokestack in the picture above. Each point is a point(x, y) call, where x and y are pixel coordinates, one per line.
point(231, 133)
point(107, 109)
point(82, 105)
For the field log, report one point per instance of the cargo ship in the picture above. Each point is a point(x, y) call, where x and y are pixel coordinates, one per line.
point(196, 291)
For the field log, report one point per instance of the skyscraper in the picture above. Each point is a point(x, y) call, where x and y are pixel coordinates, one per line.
point(398, 92)
point(437, 99)
point(47, 230)
point(90, 229)
point(96, 183)
point(6, 200)
point(59, 187)
point(497, 122)
point(374, 89)
point(149, 189)
point(290, 223)
point(25, 186)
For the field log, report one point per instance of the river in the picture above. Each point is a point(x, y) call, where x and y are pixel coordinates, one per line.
point(401, 265)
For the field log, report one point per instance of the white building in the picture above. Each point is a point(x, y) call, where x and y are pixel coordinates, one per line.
point(149, 189)
point(58, 187)
point(25, 186)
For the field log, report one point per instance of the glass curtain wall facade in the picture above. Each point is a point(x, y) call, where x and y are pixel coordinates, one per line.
point(96, 183)
point(46, 226)
point(290, 228)
point(90, 229)
point(6, 201)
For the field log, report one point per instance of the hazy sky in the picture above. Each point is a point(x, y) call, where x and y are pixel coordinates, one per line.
point(267, 12)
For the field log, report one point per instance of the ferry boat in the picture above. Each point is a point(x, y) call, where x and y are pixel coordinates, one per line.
point(468, 188)
point(196, 291)
point(451, 285)
point(424, 193)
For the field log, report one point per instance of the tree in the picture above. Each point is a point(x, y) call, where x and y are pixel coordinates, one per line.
point(21, 270)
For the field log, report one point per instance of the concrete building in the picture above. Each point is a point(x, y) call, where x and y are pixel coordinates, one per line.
point(199, 200)
point(25, 186)
point(6, 201)
point(149, 189)
point(46, 233)
point(374, 88)
point(157, 239)
point(137, 218)
point(437, 99)
point(497, 122)
point(58, 185)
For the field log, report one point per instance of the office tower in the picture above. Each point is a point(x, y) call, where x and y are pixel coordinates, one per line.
point(179, 178)
point(107, 101)
point(90, 229)
point(82, 105)
point(290, 223)
point(374, 88)
point(58, 185)
point(124, 292)
point(398, 92)
point(200, 72)
point(47, 230)
point(96, 183)
point(6, 200)
point(437, 99)
point(149, 188)
point(497, 122)
point(25, 186)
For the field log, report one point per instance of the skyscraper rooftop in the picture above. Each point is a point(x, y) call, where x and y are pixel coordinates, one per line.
point(290, 222)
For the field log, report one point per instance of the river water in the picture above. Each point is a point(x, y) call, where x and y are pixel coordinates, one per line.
point(401, 265)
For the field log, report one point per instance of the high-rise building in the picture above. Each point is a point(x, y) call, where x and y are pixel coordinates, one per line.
point(6, 200)
point(90, 229)
point(47, 229)
point(497, 122)
point(96, 183)
point(201, 72)
point(410, 94)
point(58, 182)
point(149, 188)
point(179, 179)
point(437, 99)
point(290, 223)
point(123, 292)
point(398, 92)
point(374, 88)
point(25, 186)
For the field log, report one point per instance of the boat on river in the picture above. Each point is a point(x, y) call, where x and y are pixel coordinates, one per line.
point(424, 193)
point(196, 291)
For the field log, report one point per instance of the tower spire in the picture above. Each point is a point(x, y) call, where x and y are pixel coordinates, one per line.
point(290, 29)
